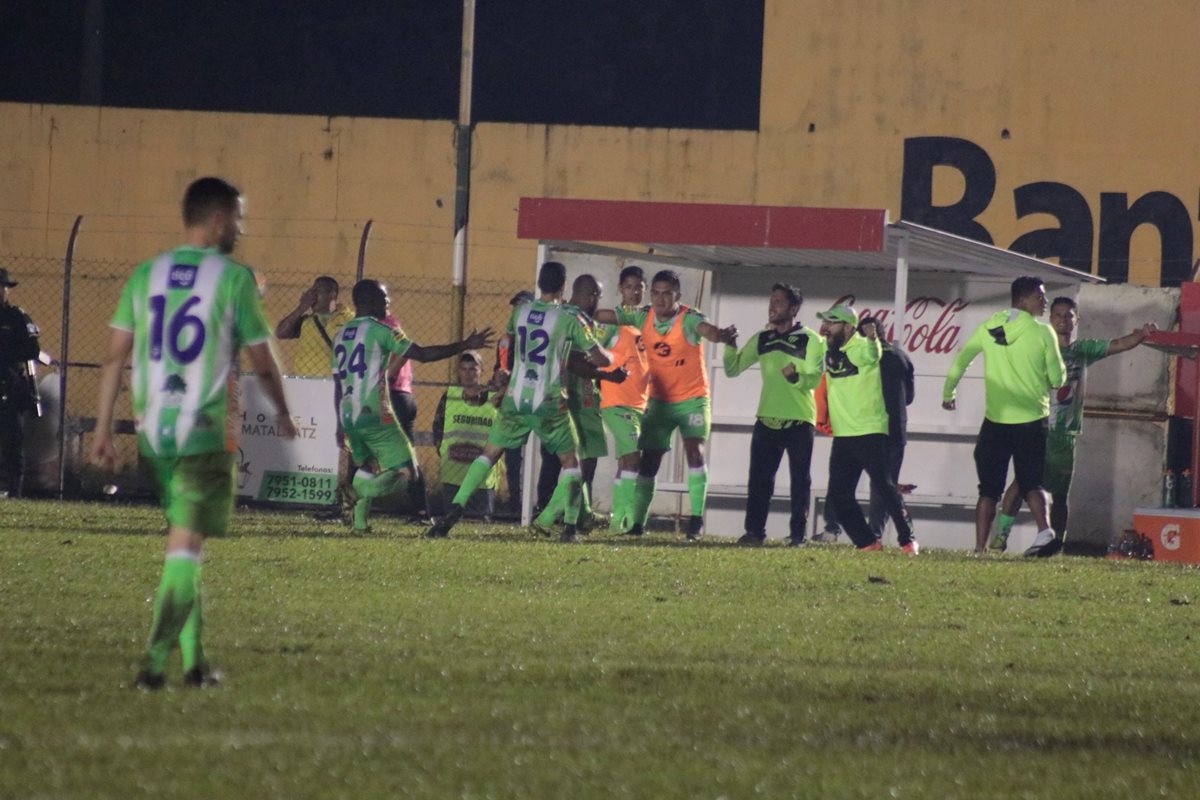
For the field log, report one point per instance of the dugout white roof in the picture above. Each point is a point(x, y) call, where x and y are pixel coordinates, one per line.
point(715, 236)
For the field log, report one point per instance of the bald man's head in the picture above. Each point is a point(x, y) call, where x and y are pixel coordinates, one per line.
point(585, 293)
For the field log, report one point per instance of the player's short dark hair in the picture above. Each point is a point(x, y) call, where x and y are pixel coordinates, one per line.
point(329, 281)
point(206, 196)
point(1024, 286)
point(632, 270)
point(794, 295)
point(366, 292)
point(552, 277)
point(1069, 302)
point(666, 276)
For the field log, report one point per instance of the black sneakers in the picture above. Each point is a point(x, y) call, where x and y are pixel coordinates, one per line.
point(201, 678)
point(149, 682)
point(752, 539)
point(568, 534)
point(695, 527)
point(441, 528)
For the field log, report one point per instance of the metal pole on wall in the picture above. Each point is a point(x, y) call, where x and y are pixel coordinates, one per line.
point(462, 185)
point(64, 358)
point(362, 250)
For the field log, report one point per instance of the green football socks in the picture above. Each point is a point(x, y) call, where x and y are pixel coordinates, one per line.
point(642, 497)
point(177, 593)
point(191, 644)
point(476, 474)
point(1006, 523)
point(698, 489)
point(369, 485)
point(575, 492)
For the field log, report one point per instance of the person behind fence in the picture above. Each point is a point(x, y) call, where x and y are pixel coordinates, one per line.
point(461, 424)
point(365, 359)
point(184, 315)
point(19, 348)
point(860, 426)
point(673, 335)
point(404, 403)
point(791, 358)
point(898, 382)
point(1066, 418)
point(1021, 364)
point(314, 323)
point(543, 334)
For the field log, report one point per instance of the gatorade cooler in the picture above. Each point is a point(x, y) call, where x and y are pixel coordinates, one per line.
point(1174, 533)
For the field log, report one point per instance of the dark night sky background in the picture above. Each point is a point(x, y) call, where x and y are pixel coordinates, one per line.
point(653, 63)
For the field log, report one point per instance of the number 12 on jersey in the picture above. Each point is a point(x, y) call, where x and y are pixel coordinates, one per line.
point(537, 340)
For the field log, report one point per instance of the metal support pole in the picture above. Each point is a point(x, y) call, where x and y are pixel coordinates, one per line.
point(362, 250)
point(64, 357)
point(462, 185)
point(901, 289)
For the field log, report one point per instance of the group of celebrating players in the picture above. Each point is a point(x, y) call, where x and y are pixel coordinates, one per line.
point(573, 370)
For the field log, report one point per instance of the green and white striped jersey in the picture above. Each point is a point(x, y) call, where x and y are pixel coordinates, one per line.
point(361, 351)
point(190, 310)
point(543, 335)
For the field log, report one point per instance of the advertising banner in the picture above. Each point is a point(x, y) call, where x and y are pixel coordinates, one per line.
point(271, 468)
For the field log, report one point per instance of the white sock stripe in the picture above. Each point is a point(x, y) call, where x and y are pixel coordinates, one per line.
point(630, 475)
point(698, 470)
point(573, 471)
point(484, 459)
point(182, 554)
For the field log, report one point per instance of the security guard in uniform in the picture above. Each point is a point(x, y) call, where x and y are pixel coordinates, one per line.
point(18, 347)
point(461, 425)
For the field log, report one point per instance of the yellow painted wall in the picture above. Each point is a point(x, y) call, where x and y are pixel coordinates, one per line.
point(1095, 94)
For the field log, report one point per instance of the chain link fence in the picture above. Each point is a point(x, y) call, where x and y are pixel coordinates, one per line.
point(72, 300)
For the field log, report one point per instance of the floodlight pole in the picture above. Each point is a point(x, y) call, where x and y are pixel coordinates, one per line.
point(462, 186)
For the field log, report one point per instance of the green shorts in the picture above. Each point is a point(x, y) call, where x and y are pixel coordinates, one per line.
point(1060, 463)
point(551, 422)
point(692, 417)
point(196, 491)
point(590, 426)
point(387, 444)
point(625, 425)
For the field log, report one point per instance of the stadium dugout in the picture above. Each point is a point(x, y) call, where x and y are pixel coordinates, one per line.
point(930, 289)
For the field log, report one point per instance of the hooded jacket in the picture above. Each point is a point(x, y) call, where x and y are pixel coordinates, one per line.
point(1021, 364)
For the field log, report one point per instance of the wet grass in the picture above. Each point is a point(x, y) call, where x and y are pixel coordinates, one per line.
point(494, 665)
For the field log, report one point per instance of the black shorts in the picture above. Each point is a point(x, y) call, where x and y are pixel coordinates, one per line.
point(1024, 443)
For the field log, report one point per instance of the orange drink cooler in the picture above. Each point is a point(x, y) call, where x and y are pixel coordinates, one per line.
point(1174, 533)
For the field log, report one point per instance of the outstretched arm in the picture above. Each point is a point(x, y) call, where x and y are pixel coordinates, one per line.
point(1132, 340)
point(437, 352)
point(720, 335)
point(607, 316)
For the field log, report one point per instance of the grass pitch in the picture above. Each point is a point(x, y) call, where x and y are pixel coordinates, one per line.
point(497, 665)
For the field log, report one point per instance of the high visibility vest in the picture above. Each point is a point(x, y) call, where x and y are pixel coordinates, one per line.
point(466, 432)
point(629, 353)
point(677, 369)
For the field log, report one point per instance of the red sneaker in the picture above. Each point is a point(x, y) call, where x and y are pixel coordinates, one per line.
point(871, 548)
point(912, 548)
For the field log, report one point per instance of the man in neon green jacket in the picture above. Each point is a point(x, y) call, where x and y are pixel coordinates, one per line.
point(1021, 364)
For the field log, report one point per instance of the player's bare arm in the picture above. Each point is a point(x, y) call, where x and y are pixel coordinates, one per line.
point(289, 326)
point(267, 369)
point(438, 352)
point(605, 316)
point(599, 356)
point(120, 345)
point(719, 335)
point(1132, 340)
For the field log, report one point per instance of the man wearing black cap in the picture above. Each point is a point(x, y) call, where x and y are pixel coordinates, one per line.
point(18, 346)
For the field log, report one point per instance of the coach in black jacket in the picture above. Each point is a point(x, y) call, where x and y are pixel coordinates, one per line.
point(18, 346)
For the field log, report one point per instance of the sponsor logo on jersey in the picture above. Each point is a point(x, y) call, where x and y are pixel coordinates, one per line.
point(349, 332)
point(537, 317)
point(175, 384)
point(182, 276)
point(662, 349)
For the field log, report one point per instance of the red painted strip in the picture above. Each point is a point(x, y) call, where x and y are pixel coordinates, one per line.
point(1185, 375)
point(792, 227)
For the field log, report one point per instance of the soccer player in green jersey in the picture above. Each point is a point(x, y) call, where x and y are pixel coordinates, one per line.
point(583, 399)
point(367, 354)
point(792, 359)
point(1021, 364)
point(1066, 421)
point(673, 336)
point(543, 334)
point(183, 316)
